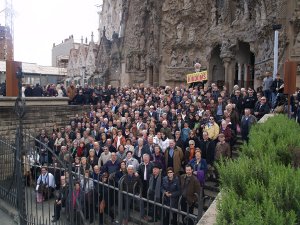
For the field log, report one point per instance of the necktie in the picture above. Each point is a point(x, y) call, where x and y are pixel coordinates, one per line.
point(145, 173)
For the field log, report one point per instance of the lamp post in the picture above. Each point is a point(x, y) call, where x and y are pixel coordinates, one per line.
point(20, 111)
point(276, 28)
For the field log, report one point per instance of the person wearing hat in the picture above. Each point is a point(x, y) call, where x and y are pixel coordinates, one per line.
point(171, 191)
point(154, 190)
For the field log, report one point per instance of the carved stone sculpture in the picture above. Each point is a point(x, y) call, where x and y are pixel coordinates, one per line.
point(143, 64)
point(173, 59)
point(226, 49)
point(192, 32)
point(213, 15)
point(187, 4)
point(136, 62)
point(180, 30)
point(185, 61)
point(246, 11)
point(297, 45)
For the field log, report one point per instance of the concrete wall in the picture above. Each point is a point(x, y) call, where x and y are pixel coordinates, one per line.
point(40, 113)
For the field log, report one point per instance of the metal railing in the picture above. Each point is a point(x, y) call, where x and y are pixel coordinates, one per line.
point(8, 191)
point(98, 202)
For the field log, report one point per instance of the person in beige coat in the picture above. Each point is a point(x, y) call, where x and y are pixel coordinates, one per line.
point(174, 157)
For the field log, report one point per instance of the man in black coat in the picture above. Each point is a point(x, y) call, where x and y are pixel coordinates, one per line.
point(207, 147)
point(37, 91)
point(262, 108)
point(275, 87)
point(61, 197)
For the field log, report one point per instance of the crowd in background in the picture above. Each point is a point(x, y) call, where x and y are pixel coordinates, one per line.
point(167, 140)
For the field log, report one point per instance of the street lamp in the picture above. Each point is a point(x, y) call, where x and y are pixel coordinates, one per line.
point(276, 28)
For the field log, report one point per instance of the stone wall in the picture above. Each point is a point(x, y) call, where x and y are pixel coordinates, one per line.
point(233, 40)
point(40, 113)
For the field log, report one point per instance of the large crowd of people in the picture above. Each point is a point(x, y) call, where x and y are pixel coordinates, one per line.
point(167, 140)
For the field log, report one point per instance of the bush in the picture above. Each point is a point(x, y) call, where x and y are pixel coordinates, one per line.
point(261, 186)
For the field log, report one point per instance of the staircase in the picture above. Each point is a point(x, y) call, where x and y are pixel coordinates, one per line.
point(211, 187)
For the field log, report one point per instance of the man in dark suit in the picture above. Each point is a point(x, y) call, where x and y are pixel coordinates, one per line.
point(144, 172)
point(61, 198)
point(152, 112)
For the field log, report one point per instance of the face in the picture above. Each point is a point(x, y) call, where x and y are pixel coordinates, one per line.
point(172, 144)
point(198, 155)
point(155, 171)
point(77, 187)
point(44, 171)
point(170, 174)
point(130, 170)
point(263, 100)
point(129, 155)
point(146, 158)
point(188, 171)
point(123, 165)
point(205, 136)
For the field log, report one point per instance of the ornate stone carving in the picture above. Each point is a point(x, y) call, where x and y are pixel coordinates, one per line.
point(226, 51)
point(185, 61)
point(187, 4)
point(191, 33)
point(180, 30)
point(213, 19)
point(296, 47)
point(246, 11)
point(173, 59)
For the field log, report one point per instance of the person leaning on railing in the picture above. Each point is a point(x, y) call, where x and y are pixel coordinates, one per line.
point(189, 186)
point(171, 192)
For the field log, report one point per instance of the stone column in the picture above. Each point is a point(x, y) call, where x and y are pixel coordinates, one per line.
point(245, 75)
point(228, 80)
point(239, 73)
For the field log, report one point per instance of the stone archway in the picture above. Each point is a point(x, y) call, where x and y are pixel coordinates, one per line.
point(216, 67)
point(244, 65)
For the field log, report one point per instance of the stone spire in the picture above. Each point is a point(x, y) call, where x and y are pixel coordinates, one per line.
point(92, 37)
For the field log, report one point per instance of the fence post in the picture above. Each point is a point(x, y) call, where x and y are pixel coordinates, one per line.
point(20, 111)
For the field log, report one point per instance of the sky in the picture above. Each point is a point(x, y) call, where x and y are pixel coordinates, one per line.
point(40, 23)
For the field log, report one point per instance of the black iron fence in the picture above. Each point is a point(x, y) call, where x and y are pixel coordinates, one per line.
point(8, 190)
point(64, 193)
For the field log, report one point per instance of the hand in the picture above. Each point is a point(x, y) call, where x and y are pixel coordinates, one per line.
point(136, 174)
point(195, 172)
point(59, 202)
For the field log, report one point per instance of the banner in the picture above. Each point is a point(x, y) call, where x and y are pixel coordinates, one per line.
point(196, 77)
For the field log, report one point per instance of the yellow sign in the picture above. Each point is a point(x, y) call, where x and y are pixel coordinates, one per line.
point(196, 77)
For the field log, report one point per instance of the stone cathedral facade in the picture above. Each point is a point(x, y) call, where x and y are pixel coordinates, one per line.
point(158, 42)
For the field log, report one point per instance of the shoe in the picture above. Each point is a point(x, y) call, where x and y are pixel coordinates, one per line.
point(54, 220)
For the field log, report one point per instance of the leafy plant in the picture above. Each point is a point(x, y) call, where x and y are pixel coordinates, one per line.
point(261, 186)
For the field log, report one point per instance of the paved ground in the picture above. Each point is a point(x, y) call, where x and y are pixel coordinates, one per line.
point(6, 219)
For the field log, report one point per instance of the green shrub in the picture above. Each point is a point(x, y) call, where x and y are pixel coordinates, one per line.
point(261, 187)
